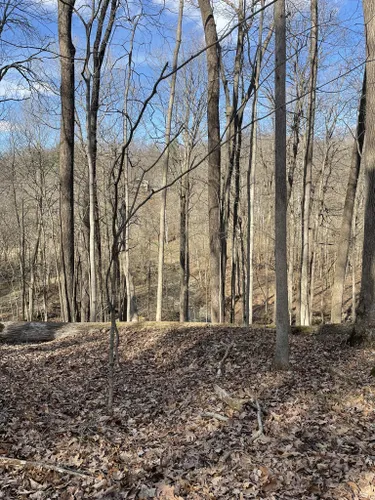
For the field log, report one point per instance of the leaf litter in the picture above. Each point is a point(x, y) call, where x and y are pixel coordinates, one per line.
point(308, 433)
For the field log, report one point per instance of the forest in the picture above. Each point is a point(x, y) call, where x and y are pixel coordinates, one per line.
point(187, 250)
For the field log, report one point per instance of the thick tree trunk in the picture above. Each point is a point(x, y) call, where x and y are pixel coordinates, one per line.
point(159, 296)
point(344, 236)
point(366, 308)
point(281, 359)
point(214, 159)
point(67, 53)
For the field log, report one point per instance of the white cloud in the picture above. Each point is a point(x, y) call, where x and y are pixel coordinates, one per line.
point(20, 90)
point(6, 126)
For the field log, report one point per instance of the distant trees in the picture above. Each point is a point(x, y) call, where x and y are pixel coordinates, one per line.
point(135, 133)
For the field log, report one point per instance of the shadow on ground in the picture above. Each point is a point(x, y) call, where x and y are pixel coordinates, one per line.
point(318, 418)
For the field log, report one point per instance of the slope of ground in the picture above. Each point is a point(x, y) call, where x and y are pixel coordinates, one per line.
point(166, 438)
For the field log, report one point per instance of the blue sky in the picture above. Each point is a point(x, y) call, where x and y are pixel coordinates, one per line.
point(154, 46)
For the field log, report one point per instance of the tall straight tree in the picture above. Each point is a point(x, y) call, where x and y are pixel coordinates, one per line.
point(366, 307)
point(163, 207)
point(344, 237)
point(308, 164)
point(67, 53)
point(281, 359)
point(250, 174)
point(214, 159)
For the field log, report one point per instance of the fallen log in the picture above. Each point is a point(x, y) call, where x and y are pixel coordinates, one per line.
point(18, 332)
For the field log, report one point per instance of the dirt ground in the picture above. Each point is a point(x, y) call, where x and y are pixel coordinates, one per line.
point(171, 436)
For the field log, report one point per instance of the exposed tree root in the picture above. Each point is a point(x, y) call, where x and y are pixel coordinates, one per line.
point(223, 359)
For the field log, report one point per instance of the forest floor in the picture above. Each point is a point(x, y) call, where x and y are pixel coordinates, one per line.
point(167, 437)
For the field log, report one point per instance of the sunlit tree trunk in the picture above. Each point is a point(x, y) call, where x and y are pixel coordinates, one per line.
point(214, 159)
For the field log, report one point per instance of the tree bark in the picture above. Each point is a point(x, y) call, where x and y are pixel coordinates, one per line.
point(214, 159)
point(345, 233)
point(34, 331)
point(281, 359)
point(366, 308)
point(308, 163)
point(67, 53)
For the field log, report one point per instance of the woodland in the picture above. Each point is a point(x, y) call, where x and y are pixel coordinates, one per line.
point(187, 249)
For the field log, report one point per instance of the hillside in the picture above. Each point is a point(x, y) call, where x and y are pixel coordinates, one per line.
point(168, 438)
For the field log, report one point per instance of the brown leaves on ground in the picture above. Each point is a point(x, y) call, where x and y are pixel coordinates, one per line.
point(318, 418)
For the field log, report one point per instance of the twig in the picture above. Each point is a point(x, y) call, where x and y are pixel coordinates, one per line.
point(210, 414)
point(259, 432)
point(32, 463)
point(223, 359)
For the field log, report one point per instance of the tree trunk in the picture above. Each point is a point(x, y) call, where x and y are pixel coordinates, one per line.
point(67, 53)
point(103, 18)
point(308, 163)
point(34, 331)
point(159, 296)
point(184, 229)
point(345, 232)
point(281, 359)
point(214, 159)
point(184, 249)
point(366, 307)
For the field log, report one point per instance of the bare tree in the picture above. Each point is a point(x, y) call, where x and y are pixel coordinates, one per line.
point(214, 159)
point(345, 234)
point(159, 297)
point(102, 20)
point(308, 164)
point(281, 359)
point(67, 90)
point(251, 172)
point(366, 307)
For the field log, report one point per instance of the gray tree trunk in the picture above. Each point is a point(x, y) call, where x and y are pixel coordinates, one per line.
point(281, 359)
point(214, 159)
point(67, 53)
point(308, 163)
point(366, 308)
